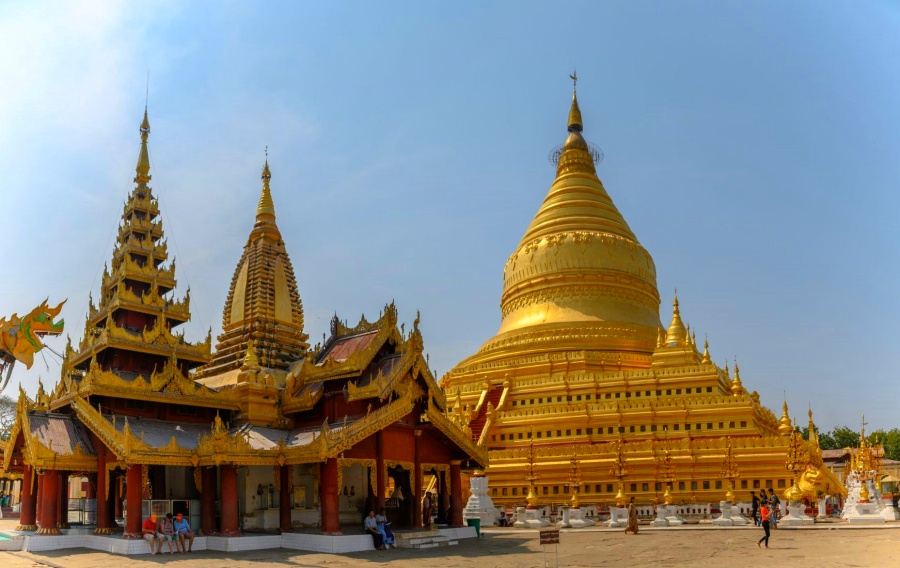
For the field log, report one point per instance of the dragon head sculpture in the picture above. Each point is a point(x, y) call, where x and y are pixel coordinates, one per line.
point(21, 337)
point(807, 483)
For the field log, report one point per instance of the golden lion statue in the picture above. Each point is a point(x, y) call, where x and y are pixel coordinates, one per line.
point(809, 477)
point(20, 337)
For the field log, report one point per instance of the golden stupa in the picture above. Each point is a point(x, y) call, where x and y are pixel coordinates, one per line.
point(582, 363)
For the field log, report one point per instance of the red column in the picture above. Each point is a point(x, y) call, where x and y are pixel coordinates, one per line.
point(379, 470)
point(456, 508)
point(29, 501)
point(49, 503)
point(328, 497)
point(208, 501)
point(416, 481)
point(37, 506)
point(103, 520)
point(284, 498)
point(229, 501)
point(62, 521)
point(133, 501)
point(90, 488)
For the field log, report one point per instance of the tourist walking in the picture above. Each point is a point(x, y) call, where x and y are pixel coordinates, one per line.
point(774, 502)
point(764, 515)
point(754, 507)
point(632, 518)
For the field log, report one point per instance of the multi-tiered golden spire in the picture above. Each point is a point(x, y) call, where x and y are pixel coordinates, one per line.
point(263, 316)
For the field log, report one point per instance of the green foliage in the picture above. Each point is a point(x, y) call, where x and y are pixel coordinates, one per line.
point(839, 438)
point(7, 416)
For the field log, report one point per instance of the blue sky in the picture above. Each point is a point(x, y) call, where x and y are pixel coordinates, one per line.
point(752, 147)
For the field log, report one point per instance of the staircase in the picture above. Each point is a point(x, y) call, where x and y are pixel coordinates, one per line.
point(422, 539)
point(8, 513)
point(477, 423)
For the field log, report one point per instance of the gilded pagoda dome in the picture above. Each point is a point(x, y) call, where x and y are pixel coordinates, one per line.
point(579, 272)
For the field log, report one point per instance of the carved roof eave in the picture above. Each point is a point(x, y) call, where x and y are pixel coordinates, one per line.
point(23, 405)
point(354, 364)
point(291, 404)
point(458, 436)
point(167, 386)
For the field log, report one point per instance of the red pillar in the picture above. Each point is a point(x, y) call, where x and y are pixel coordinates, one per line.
point(416, 480)
point(379, 470)
point(63, 514)
point(90, 488)
point(229, 501)
point(29, 501)
point(456, 507)
point(103, 520)
point(284, 498)
point(133, 502)
point(49, 496)
point(208, 501)
point(328, 497)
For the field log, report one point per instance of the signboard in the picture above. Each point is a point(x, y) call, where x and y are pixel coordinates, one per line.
point(549, 536)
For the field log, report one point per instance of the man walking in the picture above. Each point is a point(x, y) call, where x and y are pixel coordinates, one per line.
point(754, 507)
point(774, 501)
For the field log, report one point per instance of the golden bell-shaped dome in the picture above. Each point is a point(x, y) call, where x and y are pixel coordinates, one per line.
point(579, 270)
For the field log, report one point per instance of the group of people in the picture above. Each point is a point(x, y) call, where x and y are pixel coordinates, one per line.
point(168, 530)
point(378, 527)
point(765, 512)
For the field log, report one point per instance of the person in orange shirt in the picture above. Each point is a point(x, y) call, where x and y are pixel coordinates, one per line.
point(764, 515)
point(148, 529)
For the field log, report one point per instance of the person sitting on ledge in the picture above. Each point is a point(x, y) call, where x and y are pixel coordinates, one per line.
point(383, 528)
point(166, 532)
point(149, 532)
point(371, 526)
point(183, 531)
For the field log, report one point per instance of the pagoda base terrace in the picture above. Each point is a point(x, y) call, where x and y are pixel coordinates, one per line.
point(115, 544)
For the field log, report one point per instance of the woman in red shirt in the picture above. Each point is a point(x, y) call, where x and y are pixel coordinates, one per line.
point(764, 515)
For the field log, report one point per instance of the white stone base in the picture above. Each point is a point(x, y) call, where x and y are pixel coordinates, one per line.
point(796, 516)
point(574, 519)
point(618, 518)
point(660, 520)
point(865, 514)
point(889, 513)
point(530, 519)
point(672, 516)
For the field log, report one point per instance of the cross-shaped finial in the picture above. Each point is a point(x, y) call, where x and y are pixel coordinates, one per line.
point(574, 77)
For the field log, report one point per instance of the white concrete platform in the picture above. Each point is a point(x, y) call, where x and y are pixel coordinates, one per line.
point(115, 544)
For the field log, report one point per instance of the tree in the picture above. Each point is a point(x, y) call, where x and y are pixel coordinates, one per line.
point(890, 440)
point(7, 416)
point(839, 438)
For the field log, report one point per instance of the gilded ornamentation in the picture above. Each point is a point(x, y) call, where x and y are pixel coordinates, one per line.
point(20, 338)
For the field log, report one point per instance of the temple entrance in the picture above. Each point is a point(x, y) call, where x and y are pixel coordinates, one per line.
point(400, 506)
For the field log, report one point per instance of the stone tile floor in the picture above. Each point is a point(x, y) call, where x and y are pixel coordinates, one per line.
point(830, 545)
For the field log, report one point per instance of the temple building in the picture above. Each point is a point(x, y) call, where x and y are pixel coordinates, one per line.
point(582, 371)
point(263, 433)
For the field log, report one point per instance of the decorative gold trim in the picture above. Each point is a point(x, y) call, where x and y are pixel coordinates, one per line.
point(349, 462)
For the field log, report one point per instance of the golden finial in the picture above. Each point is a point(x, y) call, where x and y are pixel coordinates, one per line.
point(575, 123)
point(265, 210)
point(737, 388)
point(143, 165)
point(784, 424)
point(676, 333)
point(706, 359)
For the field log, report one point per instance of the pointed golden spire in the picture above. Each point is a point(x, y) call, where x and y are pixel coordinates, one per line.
point(677, 332)
point(784, 424)
point(251, 362)
point(575, 123)
point(265, 209)
point(706, 359)
point(737, 388)
point(143, 165)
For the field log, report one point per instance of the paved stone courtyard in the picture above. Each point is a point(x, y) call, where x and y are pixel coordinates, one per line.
point(706, 546)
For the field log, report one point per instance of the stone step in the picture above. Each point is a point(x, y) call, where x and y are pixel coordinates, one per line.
point(434, 544)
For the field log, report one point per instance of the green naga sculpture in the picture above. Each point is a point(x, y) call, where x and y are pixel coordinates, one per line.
point(20, 338)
